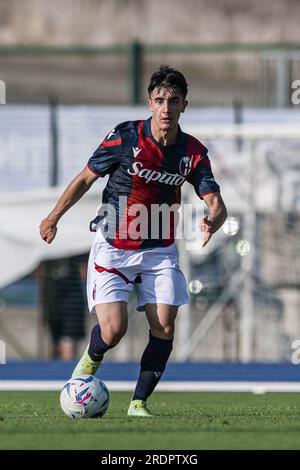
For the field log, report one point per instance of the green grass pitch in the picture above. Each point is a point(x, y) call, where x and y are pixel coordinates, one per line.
point(34, 420)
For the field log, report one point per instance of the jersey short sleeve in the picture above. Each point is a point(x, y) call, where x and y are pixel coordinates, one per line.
point(202, 177)
point(107, 155)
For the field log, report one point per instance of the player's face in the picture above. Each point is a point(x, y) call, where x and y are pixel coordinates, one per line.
point(166, 107)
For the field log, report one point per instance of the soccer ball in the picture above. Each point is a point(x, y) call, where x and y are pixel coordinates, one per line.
point(84, 397)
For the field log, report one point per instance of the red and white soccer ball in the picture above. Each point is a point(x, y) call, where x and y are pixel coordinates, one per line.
point(84, 397)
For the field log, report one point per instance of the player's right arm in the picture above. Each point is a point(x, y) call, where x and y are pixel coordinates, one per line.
point(104, 159)
point(74, 191)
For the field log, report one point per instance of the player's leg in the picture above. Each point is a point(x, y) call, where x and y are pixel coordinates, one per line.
point(160, 293)
point(112, 325)
point(107, 294)
point(161, 318)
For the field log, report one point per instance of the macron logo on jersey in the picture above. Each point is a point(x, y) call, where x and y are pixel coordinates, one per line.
point(136, 151)
point(110, 134)
point(153, 175)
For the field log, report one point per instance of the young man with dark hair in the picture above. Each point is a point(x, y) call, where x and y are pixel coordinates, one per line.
point(147, 163)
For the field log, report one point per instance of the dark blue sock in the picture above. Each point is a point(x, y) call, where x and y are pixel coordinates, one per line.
point(153, 363)
point(97, 346)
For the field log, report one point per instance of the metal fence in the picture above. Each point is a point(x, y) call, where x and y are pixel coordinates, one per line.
point(244, 292)
point(46, 145)
point(219, 75)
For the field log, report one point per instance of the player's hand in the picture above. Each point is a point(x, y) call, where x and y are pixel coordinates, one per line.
point(48, 230)
point(206, 228)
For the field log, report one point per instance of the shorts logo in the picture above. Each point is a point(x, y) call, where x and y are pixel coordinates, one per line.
point(94, 292)
point(185, 166)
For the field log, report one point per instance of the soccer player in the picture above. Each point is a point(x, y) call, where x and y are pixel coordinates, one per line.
point(147, 162)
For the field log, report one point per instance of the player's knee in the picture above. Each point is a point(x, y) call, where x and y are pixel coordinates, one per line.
point(163, 332)
point(112, 335)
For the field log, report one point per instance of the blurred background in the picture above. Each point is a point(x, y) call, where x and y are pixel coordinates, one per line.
point(71, 71)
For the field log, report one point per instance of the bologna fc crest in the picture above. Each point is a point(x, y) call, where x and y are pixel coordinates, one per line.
point(185, 166)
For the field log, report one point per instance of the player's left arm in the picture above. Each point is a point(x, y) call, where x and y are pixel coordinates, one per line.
point(216, 218)
point(202, 178)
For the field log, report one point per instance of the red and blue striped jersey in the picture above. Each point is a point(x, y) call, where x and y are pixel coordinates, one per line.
point(143, 172)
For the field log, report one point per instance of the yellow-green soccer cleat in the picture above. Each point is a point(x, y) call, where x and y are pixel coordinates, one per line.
point(85, 366)
point(138, 408)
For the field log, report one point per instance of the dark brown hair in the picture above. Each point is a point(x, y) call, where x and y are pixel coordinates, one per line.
point(170, 79)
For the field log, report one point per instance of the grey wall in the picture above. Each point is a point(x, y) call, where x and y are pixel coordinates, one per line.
point(102, 22)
